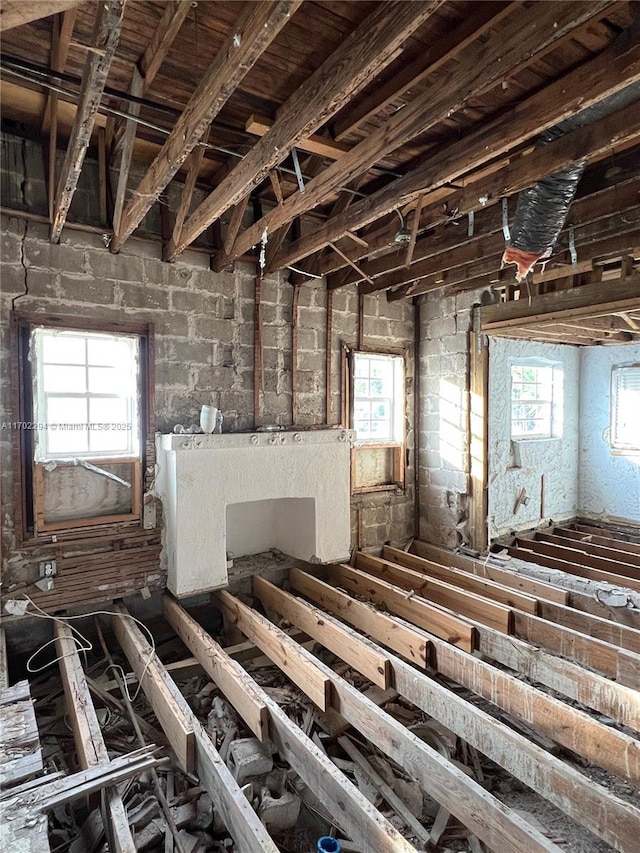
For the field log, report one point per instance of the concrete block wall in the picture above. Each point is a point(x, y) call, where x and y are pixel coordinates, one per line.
point(443, 472)
point(204, 351)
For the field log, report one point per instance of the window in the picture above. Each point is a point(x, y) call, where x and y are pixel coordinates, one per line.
point(536, 400)
point(374, 406)
point(378, 397)
point(625, 407)
point(82, 430)
point(86, 400)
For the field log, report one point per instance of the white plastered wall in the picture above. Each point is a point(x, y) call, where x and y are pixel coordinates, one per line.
point(545, 468)
point(608, 483)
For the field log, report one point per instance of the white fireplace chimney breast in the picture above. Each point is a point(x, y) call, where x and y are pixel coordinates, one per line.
point(246, 493)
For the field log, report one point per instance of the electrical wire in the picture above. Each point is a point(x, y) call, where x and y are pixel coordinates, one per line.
point(85, 645)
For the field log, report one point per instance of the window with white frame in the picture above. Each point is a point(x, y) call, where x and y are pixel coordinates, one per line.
point(625, 407)
point(86, 394)
point(378, 397)
point(536, 400)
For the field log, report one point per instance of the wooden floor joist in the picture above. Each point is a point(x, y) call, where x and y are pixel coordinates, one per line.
point(90, 746)
point(158, 688)
point(600, 538)
point(605, 658)
point(562, 723)
point(500, 828)
point(480, 586)
point(539, 589)
point(572, 609)
point(589, 548)
point(536, 552)
point(578, 796)
point(350, 809)
point(408, 642)
point(174, 714)
point(222, 669)
point(373, 664)
point(567, 617)
point(435, 619)
point(469, 605)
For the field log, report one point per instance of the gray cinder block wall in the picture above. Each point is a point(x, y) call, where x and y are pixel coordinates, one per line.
point(203, 325)
point(445, 324)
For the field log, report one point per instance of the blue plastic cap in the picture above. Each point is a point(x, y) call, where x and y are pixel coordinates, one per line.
point(326, 844)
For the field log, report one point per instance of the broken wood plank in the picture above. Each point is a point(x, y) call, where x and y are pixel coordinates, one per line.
point(106, 33)
point(373, 665)
point(350, 809)
point(480, 586)
point(267, 637)
point(434, 773)
point(227, 673)
point(258, 24)
point(410, 820)
point(90, 746)
point(437, 620)
point(468, 605)
point(159, 689)
point(404, 640)
point(238, 815)
point(587, 802)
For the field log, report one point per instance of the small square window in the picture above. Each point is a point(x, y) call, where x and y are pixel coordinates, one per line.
point(625, 407)
point(536, 400)
point(86, 394)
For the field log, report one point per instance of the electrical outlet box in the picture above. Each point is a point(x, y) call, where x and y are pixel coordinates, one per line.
point(47, 569)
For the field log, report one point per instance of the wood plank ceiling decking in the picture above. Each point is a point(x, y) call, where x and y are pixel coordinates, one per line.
point(417, 113)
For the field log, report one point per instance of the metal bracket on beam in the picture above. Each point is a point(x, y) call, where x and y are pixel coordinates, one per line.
point(298, 170)
point(505, 219)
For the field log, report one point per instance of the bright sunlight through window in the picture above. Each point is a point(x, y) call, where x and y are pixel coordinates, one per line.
point(86, 395)
point(625, 408)
point(536, 400)
point(378, 397)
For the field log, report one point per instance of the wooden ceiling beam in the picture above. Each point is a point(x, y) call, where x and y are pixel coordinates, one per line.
point(586, 226)
point(592, 82)
point(143, 76)
point(523, 33)
point(486, 272)
point(106, 33)
point(411, 74)
point(363, 54)
point(163, 37)
point(15, 13)
point(258, 125)
point(257, 26)
point(521, 173)
point(585, 301)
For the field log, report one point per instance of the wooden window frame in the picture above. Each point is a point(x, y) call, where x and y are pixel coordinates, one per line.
point(30, 527)
point(396, 449)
